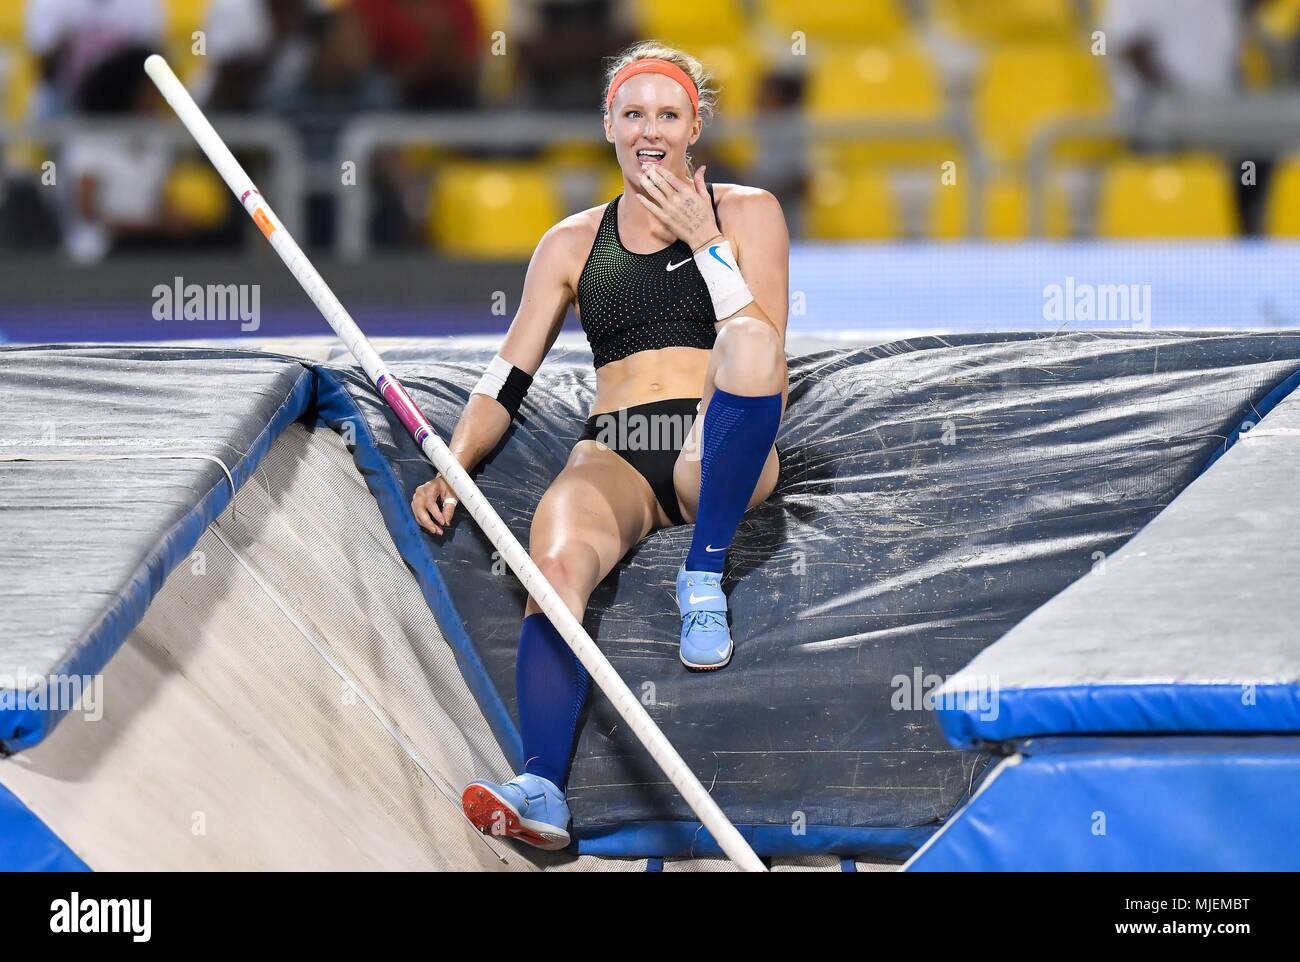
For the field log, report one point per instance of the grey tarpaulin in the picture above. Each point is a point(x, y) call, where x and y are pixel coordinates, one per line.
point(112, 463)
point(934, 492)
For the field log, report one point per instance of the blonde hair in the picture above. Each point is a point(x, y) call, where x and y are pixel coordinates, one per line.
point(654, 50)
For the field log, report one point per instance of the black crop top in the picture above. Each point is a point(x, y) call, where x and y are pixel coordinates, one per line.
point(642, 302)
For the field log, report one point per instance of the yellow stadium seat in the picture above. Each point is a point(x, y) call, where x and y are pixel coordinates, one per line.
point(1023, 87)
point(997, 21)
point(852, 204)
point(737, 74)
point(497, 75)
point(581, 171)
point(885, 84)
point(875, 82)
point(492, 210)
point(568, 154)
point(19, 76)
point(692, 23)
point(836, 21)
point(194, 189)
point(183, 18)
point(1254, 64)
point(609, 185)
point(1283, 215)
point(1279, 19)
point(11, 23)
point(492, 15)
point(1004, 211)
point(19, 79)
point(1177, 197)
point(738, 153)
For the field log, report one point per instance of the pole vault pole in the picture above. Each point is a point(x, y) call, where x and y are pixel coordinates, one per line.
point(569, 627)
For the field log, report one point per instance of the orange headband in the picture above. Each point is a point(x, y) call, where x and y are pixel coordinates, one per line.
point(669, 70)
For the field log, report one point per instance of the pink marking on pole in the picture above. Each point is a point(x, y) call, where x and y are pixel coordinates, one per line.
point(407, 412)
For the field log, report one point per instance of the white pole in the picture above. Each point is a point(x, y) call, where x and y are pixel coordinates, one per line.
point(602, 672)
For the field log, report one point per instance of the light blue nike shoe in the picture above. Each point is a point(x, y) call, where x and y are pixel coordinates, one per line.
point(706, 640)
point(528, 807)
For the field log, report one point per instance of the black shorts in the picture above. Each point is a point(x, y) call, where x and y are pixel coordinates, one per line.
point(649, 437)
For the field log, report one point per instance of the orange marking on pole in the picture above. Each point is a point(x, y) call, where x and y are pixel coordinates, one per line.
point(264, 222)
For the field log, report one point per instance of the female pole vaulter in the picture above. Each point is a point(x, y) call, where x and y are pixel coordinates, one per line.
point(682, 292)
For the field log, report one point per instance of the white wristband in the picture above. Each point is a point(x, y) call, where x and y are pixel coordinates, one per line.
point(721, 273)
point(494, 377)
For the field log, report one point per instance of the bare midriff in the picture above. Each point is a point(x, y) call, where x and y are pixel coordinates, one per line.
point(646, 376)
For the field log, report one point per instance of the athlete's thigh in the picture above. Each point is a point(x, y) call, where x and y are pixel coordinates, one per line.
point(686, 471)
point(597, 508)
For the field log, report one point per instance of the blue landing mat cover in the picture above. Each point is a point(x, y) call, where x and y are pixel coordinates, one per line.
point(1130, 805)
point(28, 845)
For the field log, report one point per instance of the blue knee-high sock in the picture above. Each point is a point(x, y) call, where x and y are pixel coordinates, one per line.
point(738, 433)
point(551, 686)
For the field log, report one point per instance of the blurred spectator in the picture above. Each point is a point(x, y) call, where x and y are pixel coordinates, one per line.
point(562, 46)
point(782, 162)
point(431, 47)
point(1187, 49)
point(70, 38)
point(253, 46)
point(1173, 47)
point(114, 178)
point(341, 81)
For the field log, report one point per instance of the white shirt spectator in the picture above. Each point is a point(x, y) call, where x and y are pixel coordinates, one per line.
point(237, 28)
point(1195, 44)
point(88, 31)
point(129, 174)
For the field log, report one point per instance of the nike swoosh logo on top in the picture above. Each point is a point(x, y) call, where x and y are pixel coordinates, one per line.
point(718, 257)
point(673, 267)
point(695, 601)
point(710, 549)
